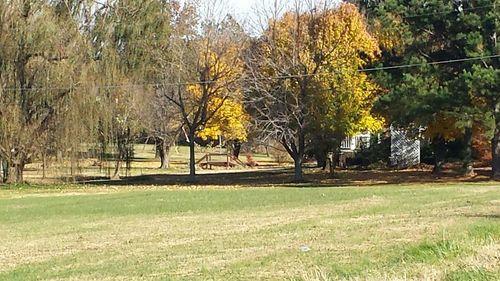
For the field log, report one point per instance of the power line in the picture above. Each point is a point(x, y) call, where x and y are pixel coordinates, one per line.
point(428, 63)
point(446, 13)
point(426, 14)
point(281, 77)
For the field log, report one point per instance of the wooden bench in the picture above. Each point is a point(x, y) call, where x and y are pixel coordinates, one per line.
point(207, 161)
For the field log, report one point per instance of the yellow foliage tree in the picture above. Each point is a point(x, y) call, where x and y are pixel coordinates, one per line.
point(225, 115)
point(321, 95)
point(345, 95)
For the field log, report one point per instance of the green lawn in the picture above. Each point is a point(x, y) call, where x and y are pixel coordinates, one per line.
point(415, 232)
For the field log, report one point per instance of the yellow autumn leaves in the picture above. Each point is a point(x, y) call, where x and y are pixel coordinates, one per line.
point(230, 122)
point(347, 94)
point(227, 116)
point(331, 46)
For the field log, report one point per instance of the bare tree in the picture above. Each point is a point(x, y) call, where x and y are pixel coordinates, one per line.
point(163, 123)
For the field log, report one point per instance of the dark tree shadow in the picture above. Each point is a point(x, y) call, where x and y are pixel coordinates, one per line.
point(284, 177)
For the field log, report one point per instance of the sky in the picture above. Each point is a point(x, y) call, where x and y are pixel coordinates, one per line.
point(242, 8)
point(245, 13)
point(246, 7)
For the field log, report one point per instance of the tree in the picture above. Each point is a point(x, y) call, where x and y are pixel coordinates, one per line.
point(483, 83)
point(163, 123)
point(418, 101)
point(304, 76)
point(204, 52)
point(125, 33)
point(42, 58)
point(343, 109)
point(143, 40)
point(483, 78)
point(433, 95)
point(229, 123)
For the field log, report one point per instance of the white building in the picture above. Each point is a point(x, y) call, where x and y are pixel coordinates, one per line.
point(351, 144)
point(405, 151)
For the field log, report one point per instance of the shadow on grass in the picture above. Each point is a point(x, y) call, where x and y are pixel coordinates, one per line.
point(483, 216)
point(284, 177)
point(243, 178)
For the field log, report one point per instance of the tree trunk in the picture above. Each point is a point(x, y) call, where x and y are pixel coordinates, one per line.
point(438, 147)
point(236, 148)
point(163, 149)
point(157, 148)
point(44, 164)
point(495, 147)
point(116, 173)
point(124, 152)
point(192, 159)
point(332, 164)
point(468, 168)
point(15, 173)
point(297, 154)
point(72, 163)
point(2, 175)
point(334, 160)
point(128, 151)
point(298, 176)
point(118, 165)
point(321, 156)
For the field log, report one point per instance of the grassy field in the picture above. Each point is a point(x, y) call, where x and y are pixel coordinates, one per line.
point(390, 232)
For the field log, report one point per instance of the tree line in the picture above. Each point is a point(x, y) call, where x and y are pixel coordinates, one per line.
point(78, 72)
